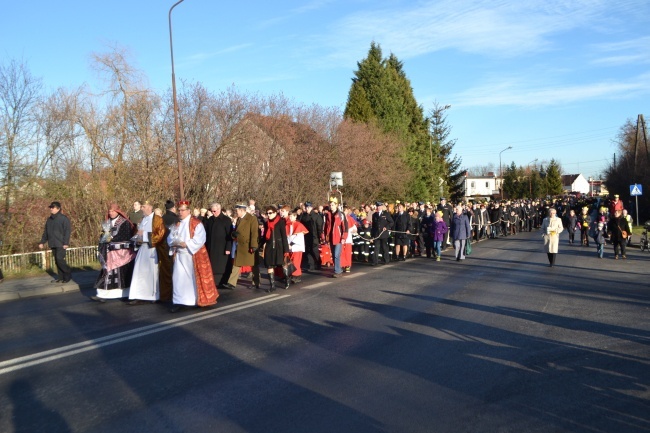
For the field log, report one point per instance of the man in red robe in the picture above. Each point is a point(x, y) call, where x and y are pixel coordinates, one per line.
point(193, 283)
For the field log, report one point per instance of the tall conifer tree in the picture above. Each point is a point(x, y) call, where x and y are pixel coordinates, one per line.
point(450, 170)
point(381, 92)
point(554, 178)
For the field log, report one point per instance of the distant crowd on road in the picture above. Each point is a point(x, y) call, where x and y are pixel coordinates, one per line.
point(184, 255)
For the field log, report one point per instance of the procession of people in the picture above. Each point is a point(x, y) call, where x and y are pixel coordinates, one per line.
point(186, 255)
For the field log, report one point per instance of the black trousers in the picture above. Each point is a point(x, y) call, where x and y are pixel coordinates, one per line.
point(311, 257)
point(551, 258)
point(381, 247)
point(428, 242)
point(61, 265)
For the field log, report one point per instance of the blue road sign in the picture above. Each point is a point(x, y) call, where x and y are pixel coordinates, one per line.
point(636, 189)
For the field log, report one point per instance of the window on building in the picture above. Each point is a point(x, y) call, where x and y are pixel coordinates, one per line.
point(472, 184)
point(487, 184)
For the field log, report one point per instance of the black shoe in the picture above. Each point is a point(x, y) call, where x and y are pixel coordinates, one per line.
point(296, 280)
point(57, 280)
point(176, 308)
point(137, 302)
point(64, 281)
point(228, 286)
point(335, 275)
point(98, 299)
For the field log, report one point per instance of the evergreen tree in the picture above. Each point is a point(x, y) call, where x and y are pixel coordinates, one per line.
point(450, 170)
point(554, 178)
point(510, 187)
point(366, 100)
point(382, 93)
point(359, 106)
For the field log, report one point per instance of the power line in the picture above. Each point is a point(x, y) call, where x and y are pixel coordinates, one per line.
point(559, 136)
point(488, 149)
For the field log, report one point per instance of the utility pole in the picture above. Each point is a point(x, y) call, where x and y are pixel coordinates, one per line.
point(178, 146)
point(640, 126)
point(501, 171)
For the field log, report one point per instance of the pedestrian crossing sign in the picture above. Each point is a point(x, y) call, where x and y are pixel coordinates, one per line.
point(636, 189)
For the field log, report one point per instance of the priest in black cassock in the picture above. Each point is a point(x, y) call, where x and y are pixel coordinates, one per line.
point(218, 241)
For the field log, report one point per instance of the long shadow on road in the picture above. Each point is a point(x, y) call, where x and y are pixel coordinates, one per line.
point(552, 385)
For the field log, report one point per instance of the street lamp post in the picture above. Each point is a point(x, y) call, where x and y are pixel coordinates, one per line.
point(178, 146)
point(501, 170)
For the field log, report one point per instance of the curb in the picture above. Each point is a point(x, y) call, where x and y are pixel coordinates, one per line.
point(45, 290)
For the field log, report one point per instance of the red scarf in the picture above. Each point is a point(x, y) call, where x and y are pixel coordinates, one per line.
point(270, 226)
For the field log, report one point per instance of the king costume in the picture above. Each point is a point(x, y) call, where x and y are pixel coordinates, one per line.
point(116, 257)
point(193, 283)
point(145, 284)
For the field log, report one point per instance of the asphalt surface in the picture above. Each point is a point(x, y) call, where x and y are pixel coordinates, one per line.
point(497, 343)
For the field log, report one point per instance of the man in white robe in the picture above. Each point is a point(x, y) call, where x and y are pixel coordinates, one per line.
point(144, 284)
point(188, 249)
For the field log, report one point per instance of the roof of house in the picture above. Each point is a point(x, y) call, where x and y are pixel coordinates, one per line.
point(568, 179)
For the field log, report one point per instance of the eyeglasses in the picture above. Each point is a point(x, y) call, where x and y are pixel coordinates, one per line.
point(271, 213)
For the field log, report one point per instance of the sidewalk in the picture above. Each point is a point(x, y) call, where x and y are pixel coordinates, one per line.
point(14, 289)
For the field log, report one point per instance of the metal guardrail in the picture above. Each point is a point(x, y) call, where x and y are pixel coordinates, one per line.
point(76, 257)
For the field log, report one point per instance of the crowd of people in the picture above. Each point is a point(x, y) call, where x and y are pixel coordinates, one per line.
point(185, 255)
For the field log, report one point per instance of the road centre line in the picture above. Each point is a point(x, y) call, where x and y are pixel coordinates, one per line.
point(15, 364)
point(120, 334)
point(317, 285)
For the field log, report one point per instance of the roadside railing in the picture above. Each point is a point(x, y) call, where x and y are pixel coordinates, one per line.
point(76, 257)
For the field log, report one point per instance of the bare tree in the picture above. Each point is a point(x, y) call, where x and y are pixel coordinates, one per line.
point(19, 95)
point(483, 170)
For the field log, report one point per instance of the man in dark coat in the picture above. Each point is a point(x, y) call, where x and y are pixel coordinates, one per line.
point(218, 242)
point(382, 222)
point(461, 231)
point(495, 219)
point(426, 222)
point(170, 218)
point(136, 215)
point(246, 234)
point(57, 235)
point(313, 221)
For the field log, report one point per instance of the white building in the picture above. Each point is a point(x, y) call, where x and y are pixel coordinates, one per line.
point(575, 183)
point(480, 186)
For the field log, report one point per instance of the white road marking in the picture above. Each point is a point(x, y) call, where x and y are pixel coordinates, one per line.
point(317, 285)
point(62, 352)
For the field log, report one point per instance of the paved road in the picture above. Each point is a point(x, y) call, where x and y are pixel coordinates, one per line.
point(498, 343)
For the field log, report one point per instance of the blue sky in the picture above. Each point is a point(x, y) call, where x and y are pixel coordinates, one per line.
point(551, 78)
